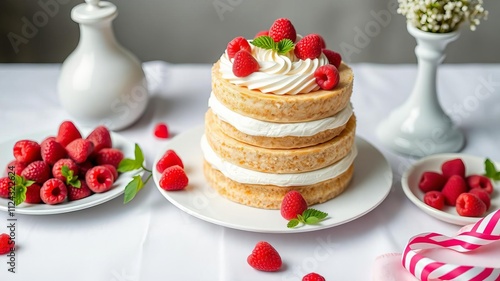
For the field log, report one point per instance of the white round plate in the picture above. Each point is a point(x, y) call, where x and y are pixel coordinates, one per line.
point(370, 185)
point(411, 178)
point(117, 189)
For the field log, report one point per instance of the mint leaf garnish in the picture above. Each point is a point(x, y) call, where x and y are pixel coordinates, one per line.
point(132, 188)
point(266, 42)
point(20, 187)
point(312, 220)
point(293, 223)
point(19, 194)
point(309, 216)
point(71, 179)
point(284, 46)
point(490, 170)
point(65, 171)
point(314, 213)
point(136, 184)
point(74, 182)
point(139, 156)
point(127, 165)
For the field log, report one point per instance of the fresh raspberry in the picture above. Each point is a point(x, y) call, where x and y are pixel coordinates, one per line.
point(101, 138)
point(5, 184)
point(79, 193)
point(53, 192)
point(453, 167)
point(293, 204)
point(161, 131)
point(333, 57)
point(27, 151)
point(483, 195)
point(15, 167)
point(322, 42)
point(313, 277)
point(308, 47)
point(67, 133)
point(327, 77)
point(33, 194)
point(434, 199)
point(431, 181)
point(83, 168)
point(170, 158)
point(112, 169)
point(173, 178)
point(470, 205)
point(6, 244)
point(482, 182)
point(79, 150)
point(282, 29)
point(237, 44)
point(244, 64)
point(99, 179)
point(38, 171)
point(56, 169)
point(262, 33)
point(452, 189)
point(52, 151)
point(264, 257)
point(110, 156)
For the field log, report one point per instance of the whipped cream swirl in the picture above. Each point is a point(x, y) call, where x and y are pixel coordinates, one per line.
point(242, 175)
point(256, 127)
point(278, 74)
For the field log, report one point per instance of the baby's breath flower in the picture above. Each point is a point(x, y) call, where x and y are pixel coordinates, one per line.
point(441, 16)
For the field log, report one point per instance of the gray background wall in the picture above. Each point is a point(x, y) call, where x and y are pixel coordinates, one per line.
point(197, 31)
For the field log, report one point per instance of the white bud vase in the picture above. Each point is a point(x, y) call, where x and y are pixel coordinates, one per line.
point(101, 83)
point(420, 127)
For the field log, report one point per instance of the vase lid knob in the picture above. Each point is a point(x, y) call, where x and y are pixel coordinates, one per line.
point(93, 11)
point(92, 4)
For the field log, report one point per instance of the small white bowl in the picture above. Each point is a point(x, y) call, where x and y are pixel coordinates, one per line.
point(473, 165)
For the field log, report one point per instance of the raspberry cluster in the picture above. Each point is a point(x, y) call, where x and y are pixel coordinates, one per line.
point(283, 38)
point(469, 194)
point(173, 177)
point(65, 167)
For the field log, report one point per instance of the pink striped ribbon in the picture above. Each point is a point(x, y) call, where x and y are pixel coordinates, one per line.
point(484, 232)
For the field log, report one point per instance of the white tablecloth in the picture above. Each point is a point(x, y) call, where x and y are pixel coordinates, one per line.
point(150, 239)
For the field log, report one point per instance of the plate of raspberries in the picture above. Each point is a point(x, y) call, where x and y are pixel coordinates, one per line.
point(62, 171)
point(455, 188)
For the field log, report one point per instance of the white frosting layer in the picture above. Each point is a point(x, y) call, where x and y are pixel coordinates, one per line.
point(278, 74)
point(256, 127)
point(247, 176)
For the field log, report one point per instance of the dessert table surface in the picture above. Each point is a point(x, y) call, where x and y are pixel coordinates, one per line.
point(151, 239)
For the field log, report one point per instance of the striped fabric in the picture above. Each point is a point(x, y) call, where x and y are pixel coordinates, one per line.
point(484, 232)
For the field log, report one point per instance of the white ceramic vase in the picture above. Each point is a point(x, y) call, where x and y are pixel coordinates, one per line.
point(101, 83)
point(420, 127)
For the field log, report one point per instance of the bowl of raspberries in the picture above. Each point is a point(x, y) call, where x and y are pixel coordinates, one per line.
point(456, 188)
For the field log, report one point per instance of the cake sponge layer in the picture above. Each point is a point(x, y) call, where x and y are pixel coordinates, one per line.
point(284, 108)
point(278, 161)
point(277, 142)
point(270, 196)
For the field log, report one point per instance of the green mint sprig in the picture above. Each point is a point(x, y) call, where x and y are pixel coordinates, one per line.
point(309, 216)
point(265, 42)
point(491, 171)
point(20, 187)
point(136, 184)
point(71, 178)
